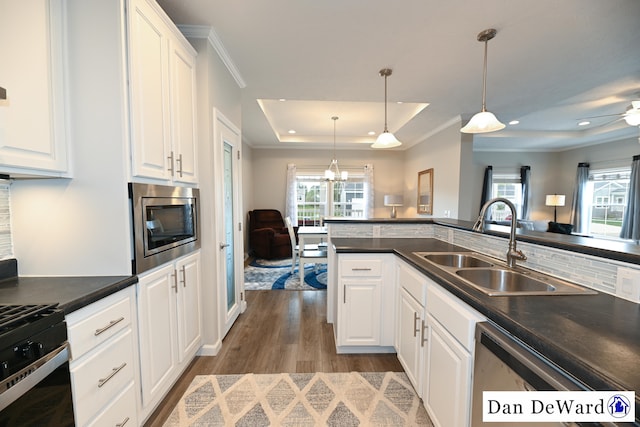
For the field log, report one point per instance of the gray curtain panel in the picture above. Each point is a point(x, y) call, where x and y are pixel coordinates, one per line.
point(580, 214)
point(487, 183)
point(631, 219)
point(525, 182)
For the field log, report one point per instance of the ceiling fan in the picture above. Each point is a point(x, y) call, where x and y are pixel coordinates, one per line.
point(631, 116)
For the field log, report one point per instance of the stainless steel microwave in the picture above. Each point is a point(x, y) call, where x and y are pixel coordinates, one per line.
point(165, 224)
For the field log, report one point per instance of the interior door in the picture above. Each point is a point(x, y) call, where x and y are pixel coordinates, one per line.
point(228, 186)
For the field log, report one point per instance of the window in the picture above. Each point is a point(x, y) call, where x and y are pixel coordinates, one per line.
point(507, 186)
point(317, 198)
point(606, 195)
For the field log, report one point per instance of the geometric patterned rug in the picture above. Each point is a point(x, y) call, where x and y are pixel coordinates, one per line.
point(262, 274)
point(315, 399)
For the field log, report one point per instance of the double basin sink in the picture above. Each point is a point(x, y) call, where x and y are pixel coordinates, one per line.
point(494, 278)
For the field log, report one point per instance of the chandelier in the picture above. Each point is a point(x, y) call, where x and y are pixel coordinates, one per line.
point(332, 173)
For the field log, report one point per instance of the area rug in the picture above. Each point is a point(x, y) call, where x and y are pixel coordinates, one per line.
point(263, 274)
point(315, 399)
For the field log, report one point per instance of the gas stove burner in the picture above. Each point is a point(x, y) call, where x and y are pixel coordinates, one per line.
point(15, 315)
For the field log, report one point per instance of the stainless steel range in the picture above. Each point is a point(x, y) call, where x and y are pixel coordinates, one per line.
point(34, 366)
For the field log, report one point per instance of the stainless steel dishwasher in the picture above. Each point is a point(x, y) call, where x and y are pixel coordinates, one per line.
point(503, 363)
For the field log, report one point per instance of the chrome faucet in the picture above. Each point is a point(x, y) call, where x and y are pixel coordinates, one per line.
point(513, 254)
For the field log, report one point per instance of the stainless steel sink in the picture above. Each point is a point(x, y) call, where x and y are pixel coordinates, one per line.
point(495, 278)
point(458, 260)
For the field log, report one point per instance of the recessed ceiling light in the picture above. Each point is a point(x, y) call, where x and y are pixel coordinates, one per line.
point(399, 102)
point(584, 123)
point(291, 131)
point(371, 132)
point(514, 122)
point(281, 99)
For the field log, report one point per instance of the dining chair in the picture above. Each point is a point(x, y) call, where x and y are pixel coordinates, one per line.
point(308, 254)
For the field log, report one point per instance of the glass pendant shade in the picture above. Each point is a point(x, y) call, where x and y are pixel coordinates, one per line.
point(386, 140)
point(482, 122)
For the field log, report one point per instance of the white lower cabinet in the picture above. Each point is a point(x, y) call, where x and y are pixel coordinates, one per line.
point(411, 327)
point(448, 360)
point(446, 393)
point(366, 303)
point(170, 325)
point(435, 344)
point(104, 361)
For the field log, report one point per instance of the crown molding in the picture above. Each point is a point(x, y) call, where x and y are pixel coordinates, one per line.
point(204, 32)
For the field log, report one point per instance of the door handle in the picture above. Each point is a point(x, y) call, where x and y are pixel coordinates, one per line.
point(224, 245)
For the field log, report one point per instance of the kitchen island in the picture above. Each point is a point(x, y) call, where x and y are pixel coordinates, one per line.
point(594, 338)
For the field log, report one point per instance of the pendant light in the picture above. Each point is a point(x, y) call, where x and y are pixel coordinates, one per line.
point(484, 121)
point(332, 173)
point(386, 138)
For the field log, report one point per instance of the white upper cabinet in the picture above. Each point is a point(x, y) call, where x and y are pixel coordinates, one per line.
point(33, 132)
point(162, 89)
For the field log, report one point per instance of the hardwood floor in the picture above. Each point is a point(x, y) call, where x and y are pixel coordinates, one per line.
point(281, 331)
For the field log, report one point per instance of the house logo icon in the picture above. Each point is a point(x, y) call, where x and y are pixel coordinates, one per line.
point(618, 406)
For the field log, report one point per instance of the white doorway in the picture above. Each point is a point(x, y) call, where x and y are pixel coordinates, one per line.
point(228, 189)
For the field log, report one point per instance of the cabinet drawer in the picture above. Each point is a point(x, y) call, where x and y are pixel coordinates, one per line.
point(414, 283)
point(99, 377)
point(97, 322)
point(360, 267)
point(120, 412)
point(455, 316)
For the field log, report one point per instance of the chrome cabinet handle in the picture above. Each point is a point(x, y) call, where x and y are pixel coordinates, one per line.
point(179, 161)
point(171, 169)
point(184, 276)
point(415, 321)
point(175, 281)
point(123, 422)
point(361, 269)
point(424, 336)
point(110, 325)
point(114, 371)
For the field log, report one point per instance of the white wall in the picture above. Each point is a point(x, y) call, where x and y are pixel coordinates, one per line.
point(442, 152)
point(216, 89)
point(270, 173)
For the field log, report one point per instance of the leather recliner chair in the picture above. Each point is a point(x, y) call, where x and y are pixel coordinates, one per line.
point(268, 234)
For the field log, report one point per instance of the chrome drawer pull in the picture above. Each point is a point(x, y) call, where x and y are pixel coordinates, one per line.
point(424, 336)
point(361, 269)
point(111, 324)
point(103, 381)
point(415, 321)
point(123, 422)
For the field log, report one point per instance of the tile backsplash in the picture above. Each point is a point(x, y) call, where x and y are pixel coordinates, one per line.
point(587, 270)
point(6, 247)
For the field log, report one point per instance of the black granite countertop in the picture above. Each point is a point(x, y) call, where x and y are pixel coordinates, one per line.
point(71, 293)
point(595, 338)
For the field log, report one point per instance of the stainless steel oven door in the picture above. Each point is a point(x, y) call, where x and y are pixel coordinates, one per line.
point(40, 394)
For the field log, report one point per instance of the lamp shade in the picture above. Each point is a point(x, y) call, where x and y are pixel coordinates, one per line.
point(393, 200)
point(554, 200)
point(386, 140)
point(483, 122)
point(424, 199)
point(632, 117)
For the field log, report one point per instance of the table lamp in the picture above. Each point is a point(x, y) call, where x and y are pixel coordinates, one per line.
point(555, 200)
point(393, 200)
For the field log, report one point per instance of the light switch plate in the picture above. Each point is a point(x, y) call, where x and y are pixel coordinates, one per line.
point(628, 284)
point(376, 231)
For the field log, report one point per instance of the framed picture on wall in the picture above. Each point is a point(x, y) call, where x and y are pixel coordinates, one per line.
point(425, 192)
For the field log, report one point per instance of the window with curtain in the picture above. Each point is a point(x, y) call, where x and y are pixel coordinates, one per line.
point(316, 198)
point(508, 186)
point(606, 197)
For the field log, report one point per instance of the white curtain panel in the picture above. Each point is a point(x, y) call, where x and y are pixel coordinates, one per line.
point(290, 207)
point(368, 190)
